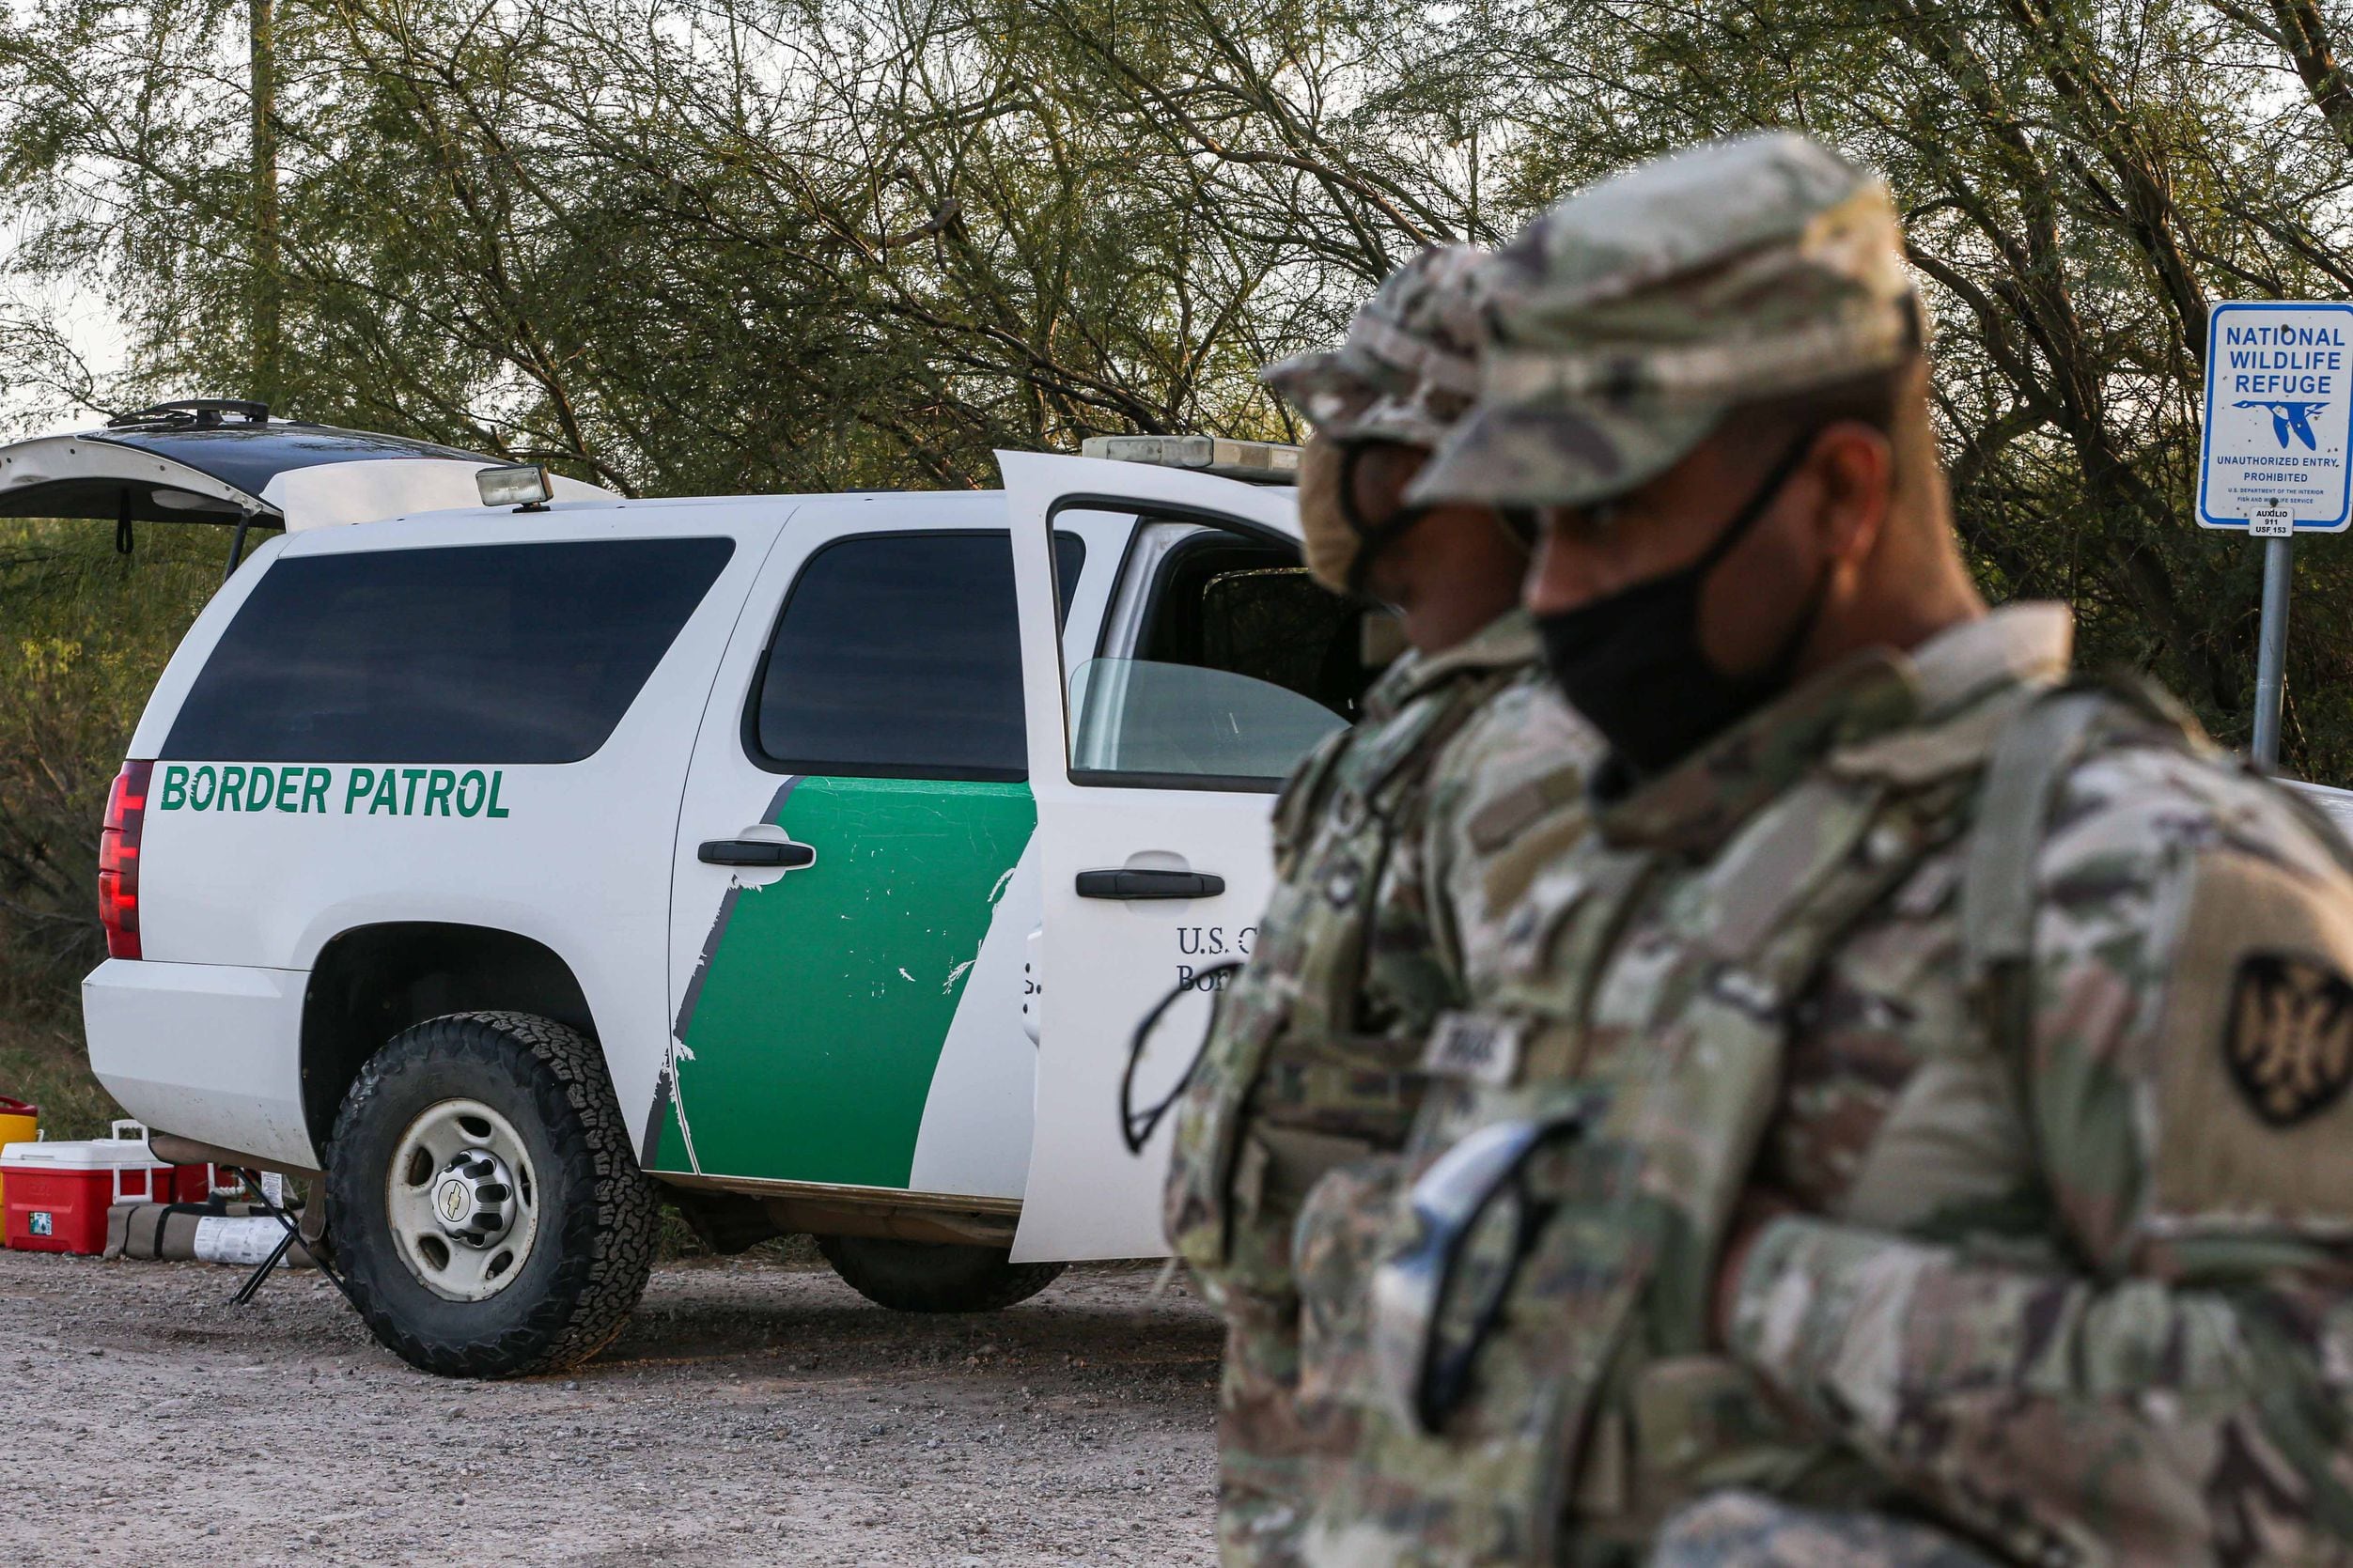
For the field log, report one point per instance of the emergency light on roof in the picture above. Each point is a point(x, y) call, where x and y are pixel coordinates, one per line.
point(1265, 462)
point(526, 486)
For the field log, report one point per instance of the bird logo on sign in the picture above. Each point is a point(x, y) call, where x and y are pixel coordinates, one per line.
point(2288, 419)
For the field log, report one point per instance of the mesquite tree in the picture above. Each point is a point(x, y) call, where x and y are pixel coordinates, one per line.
point(683, 246)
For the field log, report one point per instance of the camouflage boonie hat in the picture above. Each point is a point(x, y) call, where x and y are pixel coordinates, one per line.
point(1624, 324)
point(1407, 369)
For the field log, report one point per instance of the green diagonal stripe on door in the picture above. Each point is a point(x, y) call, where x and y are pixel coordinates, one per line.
point(823, 1010)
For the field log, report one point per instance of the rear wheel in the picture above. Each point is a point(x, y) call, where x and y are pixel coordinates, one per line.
point(934, 1277)
point(483, 1200)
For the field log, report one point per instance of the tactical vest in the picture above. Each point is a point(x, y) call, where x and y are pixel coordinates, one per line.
point(1593, 1400)
point(1295, 1077)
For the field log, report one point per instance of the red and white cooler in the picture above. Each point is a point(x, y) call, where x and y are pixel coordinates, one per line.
point(57, 1193)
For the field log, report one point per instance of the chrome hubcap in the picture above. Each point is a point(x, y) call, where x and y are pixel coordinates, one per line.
point(474, 1199)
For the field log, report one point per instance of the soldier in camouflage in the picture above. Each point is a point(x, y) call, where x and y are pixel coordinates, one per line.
point(1903, 1118)
point(1377, 838)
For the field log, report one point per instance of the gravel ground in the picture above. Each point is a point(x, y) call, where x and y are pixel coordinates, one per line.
point(754, 1412)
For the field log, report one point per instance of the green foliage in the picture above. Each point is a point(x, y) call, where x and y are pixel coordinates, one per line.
point(86, 633)
point(810, 244)
point(44, 1064)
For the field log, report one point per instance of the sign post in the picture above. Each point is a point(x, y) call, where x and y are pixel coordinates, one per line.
point(2279, 573)
point(2278, 411)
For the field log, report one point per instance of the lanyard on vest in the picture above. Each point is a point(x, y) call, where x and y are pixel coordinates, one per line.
point(1136, 1128)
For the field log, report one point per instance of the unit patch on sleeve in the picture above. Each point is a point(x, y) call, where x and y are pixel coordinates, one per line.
point(2289, 1036)
point(2252, 1129)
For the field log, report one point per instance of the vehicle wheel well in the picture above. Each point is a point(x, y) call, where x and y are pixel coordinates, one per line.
point(374, 981)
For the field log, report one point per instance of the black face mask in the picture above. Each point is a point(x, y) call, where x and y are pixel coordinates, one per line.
point(1631, 662)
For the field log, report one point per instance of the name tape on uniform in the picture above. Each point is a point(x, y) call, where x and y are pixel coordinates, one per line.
point(1469, 1046)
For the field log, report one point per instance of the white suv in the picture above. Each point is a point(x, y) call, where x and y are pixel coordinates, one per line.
point(813, 857)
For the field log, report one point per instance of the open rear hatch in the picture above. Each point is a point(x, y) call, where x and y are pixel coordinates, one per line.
point(221, 461)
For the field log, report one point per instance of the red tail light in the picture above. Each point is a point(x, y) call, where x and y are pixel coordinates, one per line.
point(119, 860)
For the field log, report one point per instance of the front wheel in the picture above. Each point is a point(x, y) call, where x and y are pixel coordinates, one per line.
point(484, 1201)
point(934, 1277)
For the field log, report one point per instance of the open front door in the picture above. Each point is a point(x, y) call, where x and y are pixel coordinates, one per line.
point(1155, 750)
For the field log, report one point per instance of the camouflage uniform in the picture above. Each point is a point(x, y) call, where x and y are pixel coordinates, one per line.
point(1311, 1061)
point(2117, 1330)
point(2035, 1007)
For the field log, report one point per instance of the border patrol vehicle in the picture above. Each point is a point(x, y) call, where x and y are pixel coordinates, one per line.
point(806, 860)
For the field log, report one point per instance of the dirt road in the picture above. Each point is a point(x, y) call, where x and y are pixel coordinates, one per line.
point(754, 1413)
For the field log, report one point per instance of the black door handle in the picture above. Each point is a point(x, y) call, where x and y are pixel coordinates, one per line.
point(1149, 884)
point(756, 851)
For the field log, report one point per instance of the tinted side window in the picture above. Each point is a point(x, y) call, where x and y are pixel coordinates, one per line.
point(523, 653)
point(899, 656)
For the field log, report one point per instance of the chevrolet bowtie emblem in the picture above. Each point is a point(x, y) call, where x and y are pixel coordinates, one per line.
point(2290, 1036)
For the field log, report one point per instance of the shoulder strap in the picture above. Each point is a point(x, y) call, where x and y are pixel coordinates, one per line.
point(1303, 793)
point(2042, 742)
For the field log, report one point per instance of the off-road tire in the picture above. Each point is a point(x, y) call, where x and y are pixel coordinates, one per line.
point(934, 1277)
point(587, 1265)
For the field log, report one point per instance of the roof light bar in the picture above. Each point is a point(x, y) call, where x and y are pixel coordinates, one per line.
point(1265, 462)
